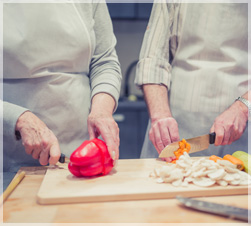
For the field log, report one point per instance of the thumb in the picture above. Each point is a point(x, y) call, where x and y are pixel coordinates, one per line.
point(54, 153)
point(212, 129)
point(91, 130)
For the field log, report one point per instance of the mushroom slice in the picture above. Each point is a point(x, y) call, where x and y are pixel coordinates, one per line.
point(187, 173)
point(227, 163)
point(235, 182)
point(231, 170)
point(176, 175)
point(182, 164)
point(228, 177)
point(217, 174)
point(245, 182)
point(184, 183)
point(203, 181)
point(159, 180)
point(222, 182)
point(177, 183)
point(188, 179)
point(199, 173)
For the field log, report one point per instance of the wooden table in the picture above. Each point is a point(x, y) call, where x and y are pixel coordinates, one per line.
point(22, 207)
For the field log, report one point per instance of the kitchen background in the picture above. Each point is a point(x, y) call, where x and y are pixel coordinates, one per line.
point(129, 23)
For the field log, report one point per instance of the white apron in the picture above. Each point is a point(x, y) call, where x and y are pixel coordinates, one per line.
point(211, 60)
point(50, 78)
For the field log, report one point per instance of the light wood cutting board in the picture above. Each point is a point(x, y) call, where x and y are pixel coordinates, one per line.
point(129, 181)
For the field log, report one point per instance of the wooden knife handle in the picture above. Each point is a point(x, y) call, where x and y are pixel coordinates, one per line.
point(212, 138)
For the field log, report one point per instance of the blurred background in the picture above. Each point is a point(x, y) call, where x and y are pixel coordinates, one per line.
point(129, 23)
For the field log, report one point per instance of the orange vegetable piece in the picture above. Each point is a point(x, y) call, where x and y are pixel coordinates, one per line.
point(188, 147)
point(183, 147)
point(215, 158)
point(234, 160)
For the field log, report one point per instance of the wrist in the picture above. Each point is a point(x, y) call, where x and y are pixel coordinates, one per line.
point(244, 105)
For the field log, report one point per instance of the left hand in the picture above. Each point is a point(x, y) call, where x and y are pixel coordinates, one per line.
point(230, 125)
point(101, 122)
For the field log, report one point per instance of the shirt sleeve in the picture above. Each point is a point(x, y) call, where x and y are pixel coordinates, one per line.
point(153, 66)
point(11, 113)
point(105, 72)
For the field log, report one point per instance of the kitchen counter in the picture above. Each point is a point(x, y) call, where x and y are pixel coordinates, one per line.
point(22, 207)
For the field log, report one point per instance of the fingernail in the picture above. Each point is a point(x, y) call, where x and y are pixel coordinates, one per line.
point(113, 155)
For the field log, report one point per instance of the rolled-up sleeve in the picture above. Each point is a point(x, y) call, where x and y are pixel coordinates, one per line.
point(105, 72)
point(153, 66)
point(11, 113)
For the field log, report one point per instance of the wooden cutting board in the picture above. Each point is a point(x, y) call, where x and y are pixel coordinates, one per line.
point(129, 181)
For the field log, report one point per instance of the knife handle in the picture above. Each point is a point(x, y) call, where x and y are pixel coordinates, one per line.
point(212, 138)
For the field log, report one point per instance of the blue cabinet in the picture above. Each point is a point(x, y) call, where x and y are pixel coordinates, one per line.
point(132, 119)
point(136, 11)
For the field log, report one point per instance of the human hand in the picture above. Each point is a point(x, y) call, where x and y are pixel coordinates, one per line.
point(102, 123)
point(230, 125)
point(37, 139)
point(163, 131)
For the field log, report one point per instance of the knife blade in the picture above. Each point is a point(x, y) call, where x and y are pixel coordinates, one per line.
point(215, 208)
point(197, 144)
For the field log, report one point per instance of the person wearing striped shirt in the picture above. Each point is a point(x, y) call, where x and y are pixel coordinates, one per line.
point(193, 65)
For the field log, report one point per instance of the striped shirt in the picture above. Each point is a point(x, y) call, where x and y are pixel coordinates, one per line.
point(199, 51)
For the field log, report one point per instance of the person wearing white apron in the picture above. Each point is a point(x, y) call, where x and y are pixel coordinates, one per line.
point(61, 80)
point(193, 66)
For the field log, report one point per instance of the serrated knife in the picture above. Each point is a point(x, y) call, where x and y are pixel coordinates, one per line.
point(215, 208)
point(197, 144)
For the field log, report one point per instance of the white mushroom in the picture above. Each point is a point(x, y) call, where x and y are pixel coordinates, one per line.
point(159, 180)
point(182, 164)
point(177, 183)
point(199, 173)
point(203, 181)
point(217, 174)
point(222, 182)
point(227, 163)
point(228, 177)
point(235, 182)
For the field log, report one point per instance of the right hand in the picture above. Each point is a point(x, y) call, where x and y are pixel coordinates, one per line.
point(37, 139)
point(163, 131)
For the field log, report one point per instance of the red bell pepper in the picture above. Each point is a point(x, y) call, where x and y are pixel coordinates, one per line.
point(90, 158)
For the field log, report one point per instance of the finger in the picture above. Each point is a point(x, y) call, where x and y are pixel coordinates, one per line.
point(112, 146)
point(54, 153)
point(212, 129)
point(91, 130)
point(219, 130)
point(152, 138)
point(168, 159)
point(164, 133)
point(226, 138)
point(36, 153)
point(44, 157)
point(157, 137)
point(174, 132)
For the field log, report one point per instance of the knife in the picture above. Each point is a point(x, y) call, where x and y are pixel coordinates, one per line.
point(214, 208)
point(197, 144)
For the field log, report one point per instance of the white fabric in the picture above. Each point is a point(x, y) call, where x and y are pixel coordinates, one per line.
point(206, 47)
point(56, 58)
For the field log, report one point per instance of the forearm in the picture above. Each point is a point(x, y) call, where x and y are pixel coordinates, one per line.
point(156, 97)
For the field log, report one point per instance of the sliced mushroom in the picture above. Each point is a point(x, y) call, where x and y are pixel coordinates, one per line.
point(228, 177)
point(222, 182)
point(203, 181)
point(217, 174)
point(177, 183)
point(227, 163)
